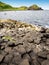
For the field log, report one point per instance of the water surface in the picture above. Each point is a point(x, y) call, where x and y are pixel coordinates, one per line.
point(33, 17)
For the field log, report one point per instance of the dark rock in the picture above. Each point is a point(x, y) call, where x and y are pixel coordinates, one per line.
point(43, 30)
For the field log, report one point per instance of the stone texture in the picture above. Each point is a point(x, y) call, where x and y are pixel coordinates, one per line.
point(24, 62)
point(23, 44)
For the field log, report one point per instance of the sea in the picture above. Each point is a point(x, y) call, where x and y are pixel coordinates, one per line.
point(39, 17)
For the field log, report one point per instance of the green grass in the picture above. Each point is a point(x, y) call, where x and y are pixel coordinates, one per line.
point(7, 7)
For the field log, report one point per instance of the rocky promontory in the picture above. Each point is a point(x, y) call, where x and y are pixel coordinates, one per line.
point(23, 44)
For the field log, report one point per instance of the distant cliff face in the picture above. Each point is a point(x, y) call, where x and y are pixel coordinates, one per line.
point(4, 7)
point(35, 7)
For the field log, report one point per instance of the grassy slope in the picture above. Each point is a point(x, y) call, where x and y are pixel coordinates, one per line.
point(6, 7)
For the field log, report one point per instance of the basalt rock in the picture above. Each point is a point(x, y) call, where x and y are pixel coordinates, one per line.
point(23, 44)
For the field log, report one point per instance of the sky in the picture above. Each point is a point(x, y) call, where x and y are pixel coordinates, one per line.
point(16, 3)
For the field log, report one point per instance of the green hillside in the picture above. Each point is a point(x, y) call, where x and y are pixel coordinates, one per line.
point(35, 7)
point(6, 7)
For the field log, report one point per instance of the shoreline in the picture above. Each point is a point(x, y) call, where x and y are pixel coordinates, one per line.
point(23, 44)
point(24, 24)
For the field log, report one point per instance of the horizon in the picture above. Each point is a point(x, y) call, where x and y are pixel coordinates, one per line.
point(18, 3)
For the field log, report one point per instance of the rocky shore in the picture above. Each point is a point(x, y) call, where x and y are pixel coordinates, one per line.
point(23, 44)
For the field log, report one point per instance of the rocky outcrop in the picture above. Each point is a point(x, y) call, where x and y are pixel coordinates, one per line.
point(23, 44)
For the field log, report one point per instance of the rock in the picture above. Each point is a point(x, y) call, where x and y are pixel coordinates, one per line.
point(46, 35)
point(1, 57)
point(8, 58)
point(24, 62)
point(11, 64)
point(27, 47)
point(40, 60)
point(8, 49)
point(21, 49)
point(23, 44)
point(46, 62)
point(43, 54)
point(3, 64)
point(47, 41)
point(47, 31)
point(43, 30)
point(34, 59)
point(32, 55)
point(16, 59)
point(48, 56)
point(37, 40)
point(2, 47)
point(37, 49)
point(26, 56)
point(35, 62)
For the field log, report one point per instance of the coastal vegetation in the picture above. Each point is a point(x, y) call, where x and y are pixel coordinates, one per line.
point(7, 7)
point(35, 7)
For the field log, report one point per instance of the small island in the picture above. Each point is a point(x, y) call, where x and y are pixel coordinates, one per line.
point(7, 7)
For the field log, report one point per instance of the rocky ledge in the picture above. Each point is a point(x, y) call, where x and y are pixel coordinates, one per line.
point(23, 44)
